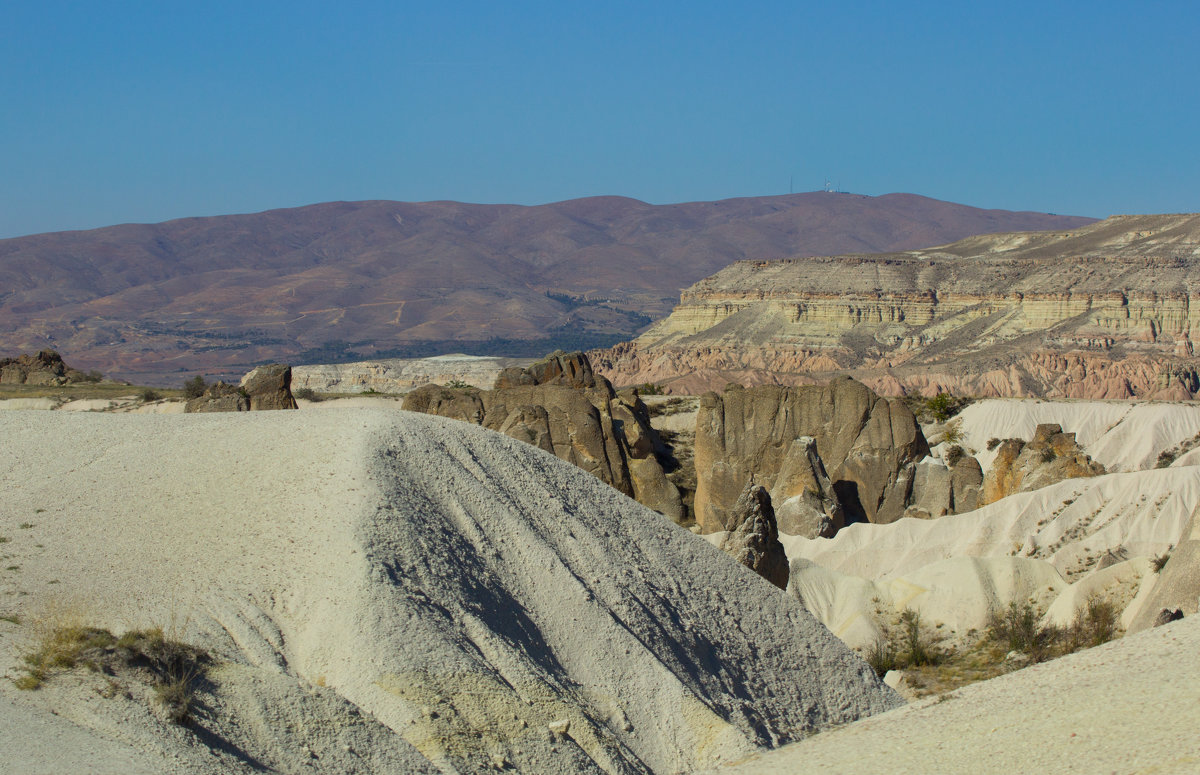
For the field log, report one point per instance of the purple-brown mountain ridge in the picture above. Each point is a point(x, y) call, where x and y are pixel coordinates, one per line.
point(348, 280)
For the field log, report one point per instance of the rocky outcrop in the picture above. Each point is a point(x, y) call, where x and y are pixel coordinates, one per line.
point(1103, 311)
point(808, 504)
point(754, 538)
point(269, 387)
point(400, 375)
point(219, 397)
point(868, 445)
point(559, 406)
point(45, 368)
point(263, 388)
point(1050, 457)
point(559, 368)
point(945, 487)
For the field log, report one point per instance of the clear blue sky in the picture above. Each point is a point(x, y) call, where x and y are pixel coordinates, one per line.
point(114, 112)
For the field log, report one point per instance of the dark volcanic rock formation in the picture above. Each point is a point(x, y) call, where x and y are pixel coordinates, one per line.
point(868, 444)
point(557, 404)
point(270, 387)
point(754, 539)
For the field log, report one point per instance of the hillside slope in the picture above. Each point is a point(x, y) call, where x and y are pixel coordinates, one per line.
point(402, 586)
point(334, 281)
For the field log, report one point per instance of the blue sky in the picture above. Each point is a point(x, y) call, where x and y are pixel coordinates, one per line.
point(120, 111)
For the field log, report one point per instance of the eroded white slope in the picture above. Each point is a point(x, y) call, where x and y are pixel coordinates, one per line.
point(1067, 523)
point(1122, 435)
point(463, 590)
point(1127, 706)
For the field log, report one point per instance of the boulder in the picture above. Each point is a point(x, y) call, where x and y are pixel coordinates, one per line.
point(868, 446)
point(754, 539)
point(456, 403)
point(559, 368)
point(1166, 616)
point(966, 484)
point(808, 505)
point(269, 387)
point(1051, 457)
point(219, 397)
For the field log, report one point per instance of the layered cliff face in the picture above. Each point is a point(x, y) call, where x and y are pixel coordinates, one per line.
point(1103, 311)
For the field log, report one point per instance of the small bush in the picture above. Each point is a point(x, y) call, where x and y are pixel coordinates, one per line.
point(650, 389)
point(1018, 629)
point(941, 407)
point(906, 643)
point(881, 657)
point(458, 384)
point(194, 387)
point(306, 394)
point(149, 394)
point(1165, 459)
point(953, 455)
point(1095, 624)
point(1160, 562)
point(993, 442)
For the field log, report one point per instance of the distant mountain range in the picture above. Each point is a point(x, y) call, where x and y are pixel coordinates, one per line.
point(350, 280)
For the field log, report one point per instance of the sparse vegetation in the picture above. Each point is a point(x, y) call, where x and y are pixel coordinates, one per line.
point(194, 387)
point(952, 433)
point(458, 384)
point(650, 389)
point(953, 455)
point(307, 394)
point(906, 643)
point(149, 394)
point(1160, 562)
point(172, 668)
point(940, 408)
point(1014, 637)
point(992, 443)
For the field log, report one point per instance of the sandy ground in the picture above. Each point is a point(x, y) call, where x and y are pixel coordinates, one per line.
point(390, 592)
point(1130, 706)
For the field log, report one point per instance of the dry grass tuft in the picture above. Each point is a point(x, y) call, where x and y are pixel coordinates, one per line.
point(172, 668)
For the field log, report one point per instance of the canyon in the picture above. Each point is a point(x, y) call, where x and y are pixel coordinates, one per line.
point(1100, 311)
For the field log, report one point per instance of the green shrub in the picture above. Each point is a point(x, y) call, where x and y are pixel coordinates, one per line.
point(194, 387)
point(458, 384)
point(306, 394)
point(150, 394)
point(952, 434)
point(649, 389)
point(941, 407)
